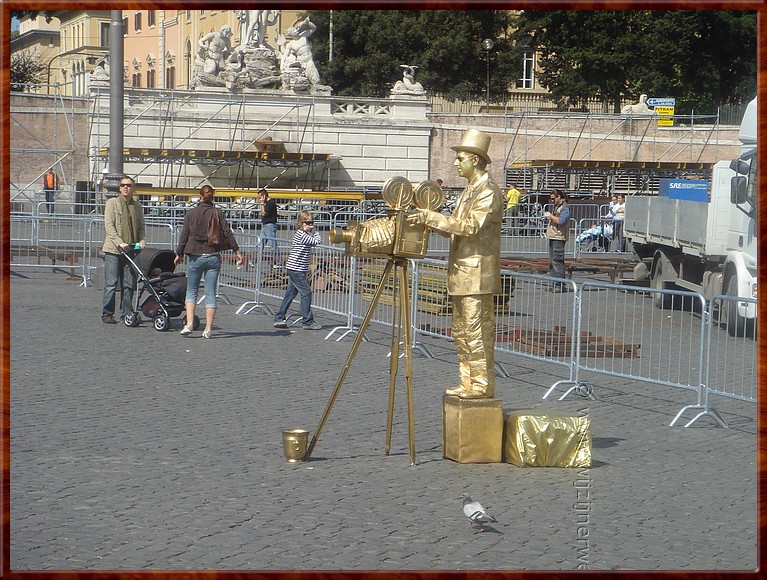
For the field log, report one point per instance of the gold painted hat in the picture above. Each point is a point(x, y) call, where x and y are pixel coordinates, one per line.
point(475, 142)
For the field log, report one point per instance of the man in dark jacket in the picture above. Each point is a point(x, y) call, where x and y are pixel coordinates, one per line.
point(268, 220)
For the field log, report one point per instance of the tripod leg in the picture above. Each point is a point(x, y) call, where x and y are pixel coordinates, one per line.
point(408, 347)
point(350, 358)
point(396, 330)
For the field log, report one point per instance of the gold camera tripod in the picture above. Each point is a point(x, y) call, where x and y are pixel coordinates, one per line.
point(401, 324)
point(409, 242)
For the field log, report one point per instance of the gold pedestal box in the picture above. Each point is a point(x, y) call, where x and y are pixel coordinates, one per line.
point(542, 438)
point(472, 430)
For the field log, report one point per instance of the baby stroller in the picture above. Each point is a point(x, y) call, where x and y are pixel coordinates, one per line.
point(596, 239)
point(165, 290)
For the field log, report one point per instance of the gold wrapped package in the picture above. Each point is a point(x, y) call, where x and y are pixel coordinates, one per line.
point(542, 438)
point(472, 430)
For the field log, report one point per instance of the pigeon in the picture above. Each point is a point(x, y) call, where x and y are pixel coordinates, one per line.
point(475, 512)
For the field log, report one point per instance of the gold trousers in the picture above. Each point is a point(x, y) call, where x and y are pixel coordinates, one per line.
point(474, 336)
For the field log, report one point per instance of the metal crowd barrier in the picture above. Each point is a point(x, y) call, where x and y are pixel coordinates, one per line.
point(732, 359)
point(159, 234)
point(622, 332)
point(51, 241)
point(601, 328)
point(536, 323)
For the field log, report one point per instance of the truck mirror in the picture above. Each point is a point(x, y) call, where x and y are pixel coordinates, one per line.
point(738, 186)
point(740, 166)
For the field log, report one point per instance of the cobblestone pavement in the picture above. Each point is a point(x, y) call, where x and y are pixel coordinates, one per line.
point(136, 449)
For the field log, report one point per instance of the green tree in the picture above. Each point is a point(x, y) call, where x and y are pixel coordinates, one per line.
point(19, 14)
point(704, 58)
point(26, 69)
point(445, 45)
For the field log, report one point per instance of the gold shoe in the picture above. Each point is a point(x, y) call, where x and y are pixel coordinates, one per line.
point(454, 391)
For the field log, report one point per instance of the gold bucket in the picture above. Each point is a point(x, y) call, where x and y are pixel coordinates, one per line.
point(294, 442)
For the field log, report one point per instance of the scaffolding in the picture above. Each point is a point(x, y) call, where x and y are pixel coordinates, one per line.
point(247, 153)
point(36, 147)
point(589, 179)
point(581, 137)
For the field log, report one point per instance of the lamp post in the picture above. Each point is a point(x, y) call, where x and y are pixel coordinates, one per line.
point(488, 44)
point(116, 104)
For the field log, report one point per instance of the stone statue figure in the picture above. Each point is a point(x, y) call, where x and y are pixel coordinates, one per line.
point(296, 53)
point(474, 270)
point(639, 108)
point(253, 24)
point(408, 84)
point(215, 49)
point(100, 72)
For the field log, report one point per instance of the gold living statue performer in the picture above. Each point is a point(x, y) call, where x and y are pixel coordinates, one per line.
point(474, 271)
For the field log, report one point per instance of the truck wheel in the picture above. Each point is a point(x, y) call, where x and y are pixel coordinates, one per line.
point(662, 301)
point(737, 325)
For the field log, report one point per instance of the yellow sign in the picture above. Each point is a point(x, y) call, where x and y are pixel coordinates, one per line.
point(665, 116)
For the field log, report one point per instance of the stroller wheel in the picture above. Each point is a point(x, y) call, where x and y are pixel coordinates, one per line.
point(161, 322)
point(132, 319)
point(195, 322)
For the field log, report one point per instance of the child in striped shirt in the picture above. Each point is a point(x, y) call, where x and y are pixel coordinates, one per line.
point(297, 267)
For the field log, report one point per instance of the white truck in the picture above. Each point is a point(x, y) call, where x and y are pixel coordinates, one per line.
point(707, 245)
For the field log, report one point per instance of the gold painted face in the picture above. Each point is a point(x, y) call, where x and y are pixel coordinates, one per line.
point(466, 164)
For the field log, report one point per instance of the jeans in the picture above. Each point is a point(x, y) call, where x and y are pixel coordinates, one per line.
point(557, 259)
point(298, 283)
point(269, 234)
point(208, 265)
point(620, 240)
point(50, 196)
point(117, 271)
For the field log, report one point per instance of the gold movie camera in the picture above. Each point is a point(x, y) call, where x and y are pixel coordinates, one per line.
point(393, 235)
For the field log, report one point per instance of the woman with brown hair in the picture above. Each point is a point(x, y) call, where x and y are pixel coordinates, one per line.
point(204, 259)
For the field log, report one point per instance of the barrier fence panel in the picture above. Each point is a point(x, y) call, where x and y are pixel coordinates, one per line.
point(593, 235)
point(274, 278)
point(352, 297)
point(50, 242)
point(253, 260)
point(523, 235)
point(439, 245)
point(368, 276)
point(580, 211)
point(159, 233)
point(644, 334)
point(431, 308)
point(534, 322)
point(331, 276)
point(731, 352)
point(243, 276)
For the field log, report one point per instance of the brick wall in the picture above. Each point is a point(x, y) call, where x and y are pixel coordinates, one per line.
point(44, 131)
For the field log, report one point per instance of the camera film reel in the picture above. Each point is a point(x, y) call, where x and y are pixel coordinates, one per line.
point(397, 192)
point(429, 195)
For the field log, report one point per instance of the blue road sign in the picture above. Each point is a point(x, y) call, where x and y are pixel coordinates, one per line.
point(663, 102)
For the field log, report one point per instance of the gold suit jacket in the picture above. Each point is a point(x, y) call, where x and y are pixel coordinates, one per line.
point(474, 266)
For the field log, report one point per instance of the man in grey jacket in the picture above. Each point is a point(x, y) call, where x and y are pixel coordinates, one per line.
point(125, 228)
